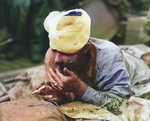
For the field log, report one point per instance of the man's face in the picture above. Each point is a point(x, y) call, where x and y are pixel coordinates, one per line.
point(74, 62)
point(62, 57)
point(58, 58)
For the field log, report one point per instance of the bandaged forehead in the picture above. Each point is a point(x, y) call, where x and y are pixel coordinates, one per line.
point(68, 31)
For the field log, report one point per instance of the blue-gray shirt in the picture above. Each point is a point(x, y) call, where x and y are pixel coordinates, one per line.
point(112, 78)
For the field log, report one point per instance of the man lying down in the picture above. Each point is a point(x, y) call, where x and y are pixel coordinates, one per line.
point(91, 70)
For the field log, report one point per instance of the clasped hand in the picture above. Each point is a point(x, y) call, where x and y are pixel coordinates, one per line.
point(66, 82)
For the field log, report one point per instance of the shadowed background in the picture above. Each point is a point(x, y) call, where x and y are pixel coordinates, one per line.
point(23, 40)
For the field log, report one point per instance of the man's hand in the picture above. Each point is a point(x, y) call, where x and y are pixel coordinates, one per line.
point(50, 94)
point(67, 82)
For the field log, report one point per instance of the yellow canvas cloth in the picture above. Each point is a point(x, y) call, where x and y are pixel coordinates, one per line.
point(80, 110)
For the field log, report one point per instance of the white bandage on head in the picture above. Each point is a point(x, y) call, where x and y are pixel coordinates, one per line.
point(68, 31)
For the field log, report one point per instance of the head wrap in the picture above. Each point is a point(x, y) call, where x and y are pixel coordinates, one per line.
point(68, 31)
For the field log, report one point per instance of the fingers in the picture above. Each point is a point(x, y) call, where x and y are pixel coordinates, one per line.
point(47, 83)
point(57, 79)
point(49, 88)
point(54, 79)
point(67, 72)
point(65, 80)
point(49, 98)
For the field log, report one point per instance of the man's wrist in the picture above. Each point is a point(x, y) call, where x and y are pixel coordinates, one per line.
point(81, 89)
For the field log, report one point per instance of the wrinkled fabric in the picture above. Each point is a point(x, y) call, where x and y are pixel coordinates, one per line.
point(80, 110)
point(112, 83)
point(30, 110)
point(138, 70)
point(68, 31)
point(27, 82)
point(135, 109)
point(139, 75)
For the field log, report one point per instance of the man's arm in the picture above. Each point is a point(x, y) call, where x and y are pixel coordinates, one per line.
point(111, 95)
point(112, 83)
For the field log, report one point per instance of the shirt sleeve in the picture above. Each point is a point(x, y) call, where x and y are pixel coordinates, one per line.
point(112, 84)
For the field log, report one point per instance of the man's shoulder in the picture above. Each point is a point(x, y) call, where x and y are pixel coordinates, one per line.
point(103, 44)
point(106, 50)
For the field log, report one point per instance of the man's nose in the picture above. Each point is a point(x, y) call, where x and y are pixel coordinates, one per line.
point(58, 57)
